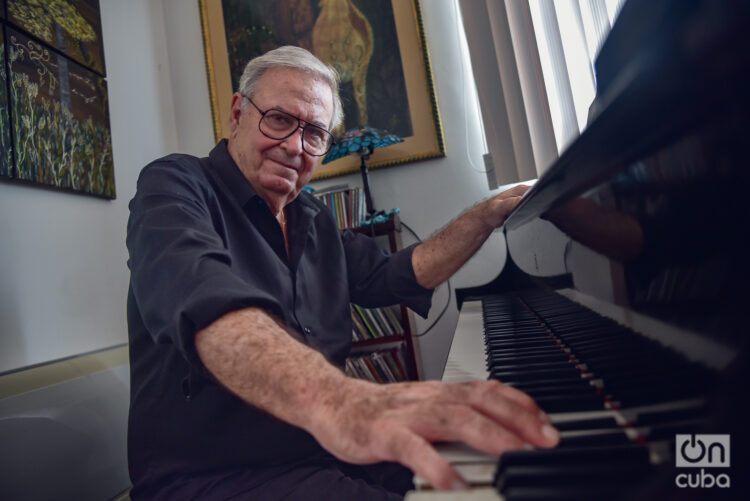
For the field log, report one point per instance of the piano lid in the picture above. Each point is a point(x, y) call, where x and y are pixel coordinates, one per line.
point(666, 66)
point(653, 192)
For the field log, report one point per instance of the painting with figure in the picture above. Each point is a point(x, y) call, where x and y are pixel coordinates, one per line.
point(6, 152)
point(60, 119)
point(71, 26)
point(357, 37)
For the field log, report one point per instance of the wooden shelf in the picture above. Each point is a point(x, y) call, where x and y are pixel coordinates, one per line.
point(378, 341)
point(392, 229)
point(393, 224)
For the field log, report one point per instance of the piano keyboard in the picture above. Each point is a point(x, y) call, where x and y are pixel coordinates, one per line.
point(618, 397)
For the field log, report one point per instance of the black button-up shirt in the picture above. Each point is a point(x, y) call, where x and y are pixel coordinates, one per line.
point(203, 243)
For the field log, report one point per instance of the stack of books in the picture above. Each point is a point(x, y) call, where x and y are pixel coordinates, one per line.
point(346, 204)
point(380, 367)
point(375, 323)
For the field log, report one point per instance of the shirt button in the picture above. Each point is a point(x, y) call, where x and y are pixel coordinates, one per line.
point(307, 330)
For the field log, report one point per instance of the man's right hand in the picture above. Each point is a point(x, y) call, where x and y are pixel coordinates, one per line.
point(362, 422)
point(359, 421)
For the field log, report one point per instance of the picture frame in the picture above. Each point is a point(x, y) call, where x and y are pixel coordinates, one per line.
point(6, 145)
point(399, 97)
point(72, 27)
point(60, 119)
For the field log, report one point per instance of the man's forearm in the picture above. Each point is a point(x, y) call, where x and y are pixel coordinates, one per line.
point(256, 359)
point(438, 258)
point(359, 421)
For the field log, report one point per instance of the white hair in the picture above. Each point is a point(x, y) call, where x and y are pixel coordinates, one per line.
point(296, 58)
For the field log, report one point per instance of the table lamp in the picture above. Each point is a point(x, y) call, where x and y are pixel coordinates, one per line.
point(362, 141)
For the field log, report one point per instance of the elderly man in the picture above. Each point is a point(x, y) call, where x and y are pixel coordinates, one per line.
point(239, 320)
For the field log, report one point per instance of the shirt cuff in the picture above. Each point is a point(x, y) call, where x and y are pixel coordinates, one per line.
point(400, 278)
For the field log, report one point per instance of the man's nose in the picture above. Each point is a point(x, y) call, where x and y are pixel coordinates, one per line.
point(293, 143)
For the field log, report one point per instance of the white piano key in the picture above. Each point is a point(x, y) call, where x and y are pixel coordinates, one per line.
point(478, 494)
point(466, 358)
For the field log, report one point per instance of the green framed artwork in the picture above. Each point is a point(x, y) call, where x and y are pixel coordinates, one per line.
point(60, 119)
point(72, 27)
point(368, 42)
point(6, 151)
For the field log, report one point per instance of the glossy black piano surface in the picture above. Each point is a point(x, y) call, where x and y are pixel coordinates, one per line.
point(657, 186)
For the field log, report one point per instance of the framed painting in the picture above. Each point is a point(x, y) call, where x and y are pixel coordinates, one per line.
point(60, 120)
point(73, 27)
point(6, 151)
point(377, 88)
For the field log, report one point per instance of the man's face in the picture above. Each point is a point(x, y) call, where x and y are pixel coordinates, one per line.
point(278, 169)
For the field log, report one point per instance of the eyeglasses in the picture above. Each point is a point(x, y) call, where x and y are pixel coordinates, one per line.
point(277, 124)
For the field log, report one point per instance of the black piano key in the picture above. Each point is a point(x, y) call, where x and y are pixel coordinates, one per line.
point(667, 431)
point(655, 380)
point(502, 331)
point(568, 493)
point(500, 348)
point(534, 374)
point(512, 326)
point(608, 437)
point(570, 403)
point(569, 475)
point(621, 455)
point(541, 383)
point(646, 395)
point(562, 386)
point(559, 356)
point(526, 352)
point(669, 415)
point(567, 392)
point(506, 365)
point(523, 343)
point(493, 339)
point(587, 424)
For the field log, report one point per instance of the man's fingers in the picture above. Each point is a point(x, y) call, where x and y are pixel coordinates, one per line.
point(420, 457)
point(511, 409)
point(520, 398)
point(516, 191)
point(461, 423)
point(528, 425)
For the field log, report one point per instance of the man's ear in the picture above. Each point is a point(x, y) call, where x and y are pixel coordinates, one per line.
point(235, 113)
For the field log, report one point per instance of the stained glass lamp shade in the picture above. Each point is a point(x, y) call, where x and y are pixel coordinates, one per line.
point(362, 141)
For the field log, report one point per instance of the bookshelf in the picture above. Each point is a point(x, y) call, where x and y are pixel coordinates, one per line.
point(383, 347)
point(404, 340)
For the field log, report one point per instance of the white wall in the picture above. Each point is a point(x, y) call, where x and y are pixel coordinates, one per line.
point(63, 274)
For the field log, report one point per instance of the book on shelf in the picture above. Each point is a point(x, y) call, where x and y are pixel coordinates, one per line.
point(374, 323)
point(385, 366)
point(346, 204)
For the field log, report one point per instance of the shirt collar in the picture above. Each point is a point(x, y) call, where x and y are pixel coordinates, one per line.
point(238, 185)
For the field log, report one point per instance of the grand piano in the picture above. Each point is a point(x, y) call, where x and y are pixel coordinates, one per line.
point(630, 329)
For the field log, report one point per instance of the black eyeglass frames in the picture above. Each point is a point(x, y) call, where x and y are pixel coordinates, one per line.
point(277, 124)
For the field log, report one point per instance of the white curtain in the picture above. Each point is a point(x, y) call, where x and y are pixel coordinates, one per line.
point(533, 66)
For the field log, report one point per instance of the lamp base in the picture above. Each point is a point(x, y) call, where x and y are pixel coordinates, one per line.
point(369, 203)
